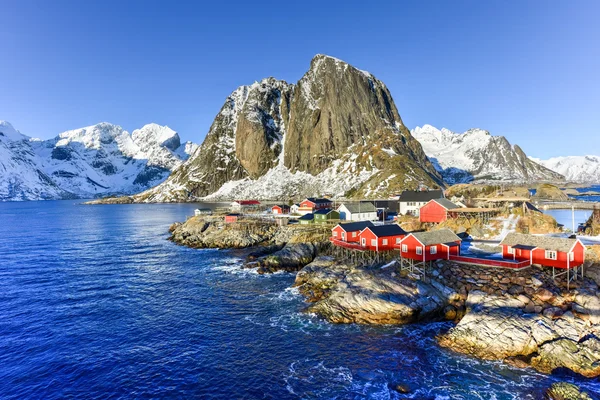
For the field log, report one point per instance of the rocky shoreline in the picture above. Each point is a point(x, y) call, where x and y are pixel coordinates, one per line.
point(524, 318)
point(273, 247)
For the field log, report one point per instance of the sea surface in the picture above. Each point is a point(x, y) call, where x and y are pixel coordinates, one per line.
point(95, 303)
point(565, 217)
point(595, 188)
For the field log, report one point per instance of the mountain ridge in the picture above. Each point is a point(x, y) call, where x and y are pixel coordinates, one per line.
point(92, 161)
point(477, 155)
point(584, 169)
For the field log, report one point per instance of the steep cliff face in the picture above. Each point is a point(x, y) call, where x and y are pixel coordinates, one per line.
point(337, 131)
point(477, 155)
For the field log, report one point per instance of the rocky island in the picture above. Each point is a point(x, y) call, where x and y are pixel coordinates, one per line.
point(522, 317)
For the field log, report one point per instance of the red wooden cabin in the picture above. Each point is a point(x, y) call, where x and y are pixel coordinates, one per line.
point(436, 210)
point(312, 204)
point(429, 246)
point(349, 232)
point(542, 250)
point(280, 209)
point(232, 217)
point(381, 238)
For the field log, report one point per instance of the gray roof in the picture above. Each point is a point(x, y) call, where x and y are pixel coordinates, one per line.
point(541, 242)
point(360, 207)
point(420, 195)
point(447, 204)
point(436, 237)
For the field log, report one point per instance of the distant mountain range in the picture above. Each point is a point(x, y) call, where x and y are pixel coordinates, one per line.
point(584, 169)
point(89, 162)
point(476, 155)
point(336, 131)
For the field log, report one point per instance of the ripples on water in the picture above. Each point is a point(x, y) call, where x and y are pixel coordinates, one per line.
point(95, 303)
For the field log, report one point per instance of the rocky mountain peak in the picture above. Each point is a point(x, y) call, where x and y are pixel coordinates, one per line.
point(154, 134)
point(8, 132)
point(336, 131)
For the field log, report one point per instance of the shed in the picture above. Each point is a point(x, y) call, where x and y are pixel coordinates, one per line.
point(232, 217)
point(436, 210)
point(381, 237)
point(349, 232)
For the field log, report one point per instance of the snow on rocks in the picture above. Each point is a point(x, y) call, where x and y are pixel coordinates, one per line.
point(87, 162)
point(477, 155)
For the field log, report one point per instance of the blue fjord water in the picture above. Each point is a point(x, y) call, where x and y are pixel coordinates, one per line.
point(95, 303)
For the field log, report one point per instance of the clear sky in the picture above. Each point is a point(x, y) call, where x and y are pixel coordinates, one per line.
point(529, 70)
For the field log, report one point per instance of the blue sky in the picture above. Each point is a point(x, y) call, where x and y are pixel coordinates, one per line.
point(528, 70)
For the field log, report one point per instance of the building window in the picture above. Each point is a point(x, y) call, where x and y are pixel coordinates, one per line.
point(343, 235)
point(398, 240)
point(433, 250)
point(404, 248)
point(384, 242)
point(335, 234)
point(511, 250)
point(571, 256)
point(364, 242)
point(374, 242)
point(419, 251)
point(353, 234)
point(550, 255)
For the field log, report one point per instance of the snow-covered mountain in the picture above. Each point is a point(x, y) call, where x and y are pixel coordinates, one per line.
point(97, 160)
point(574, 168)
point(336, 131)
point(476, 155)
point(21, 173)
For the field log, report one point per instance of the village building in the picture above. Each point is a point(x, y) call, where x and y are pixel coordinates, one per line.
point(295, 209)
point(563, 253)
point(436, 210)
point(411, 201)
point(307, 219)
point(429, 246)
point(326, 216)
point(312, 204)
point(232, 217)
point(381, 237)
point(349, 232)
point(363, 211)
point(280, 209)
point(202, 211)
point(244, 205)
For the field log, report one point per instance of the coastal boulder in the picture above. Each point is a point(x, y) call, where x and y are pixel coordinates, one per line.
point(343, 293)
point(497, 328)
